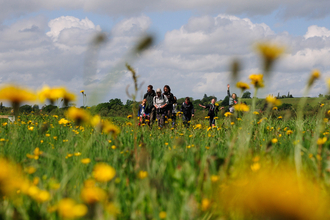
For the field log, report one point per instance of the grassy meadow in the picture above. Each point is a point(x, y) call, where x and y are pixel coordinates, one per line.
point(180, 173)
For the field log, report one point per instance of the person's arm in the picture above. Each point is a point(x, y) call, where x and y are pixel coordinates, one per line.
point(228, 92)
point(154, 102)
point(202, 106)
point(166, 102)
point(192, 110)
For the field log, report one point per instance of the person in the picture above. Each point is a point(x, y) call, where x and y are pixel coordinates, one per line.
point(150, 109)
point(142, 112)
point(160, 102)
point(213, 110)
point(174, 111)
point(170, 98)
point(232, 100)
point(188, 111)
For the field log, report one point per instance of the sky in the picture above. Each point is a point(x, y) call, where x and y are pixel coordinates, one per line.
point(53, 43)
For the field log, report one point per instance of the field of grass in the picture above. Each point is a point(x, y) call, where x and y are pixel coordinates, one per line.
point(249, 166)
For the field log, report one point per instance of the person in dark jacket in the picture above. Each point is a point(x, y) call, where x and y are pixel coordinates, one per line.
point(150, 109)
point(188, 111)
point(213, 110)
point(232, 99)
point(170, 98)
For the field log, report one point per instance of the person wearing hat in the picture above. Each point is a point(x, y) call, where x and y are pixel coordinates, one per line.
point(160, 102)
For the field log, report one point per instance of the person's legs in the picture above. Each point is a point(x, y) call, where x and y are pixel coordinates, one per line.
point(152, 116)
point(173, 120)
point(211, 120)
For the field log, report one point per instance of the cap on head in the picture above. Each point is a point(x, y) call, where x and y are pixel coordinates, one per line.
point(159, 90)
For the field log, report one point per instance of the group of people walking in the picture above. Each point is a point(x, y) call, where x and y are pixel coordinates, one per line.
point(163, 106)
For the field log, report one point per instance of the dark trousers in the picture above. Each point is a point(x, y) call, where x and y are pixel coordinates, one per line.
point(186, 119)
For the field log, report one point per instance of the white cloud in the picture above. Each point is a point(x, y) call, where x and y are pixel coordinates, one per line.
point(316, 31)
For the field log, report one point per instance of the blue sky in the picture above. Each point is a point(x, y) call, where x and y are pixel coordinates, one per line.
point(45, 42)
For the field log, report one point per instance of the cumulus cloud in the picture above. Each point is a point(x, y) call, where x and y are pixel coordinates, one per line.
point(194, 59)
point(69, 22)
point(316, 31)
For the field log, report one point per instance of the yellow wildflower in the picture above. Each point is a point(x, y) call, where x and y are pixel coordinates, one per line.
point(274, 140)
point(288, 132)
point(162, 215)
point(16, 95)
point(227, 114)
point(257, 80)
point(103, 172)
point(242, 85)
point(256, 113)
point(68, 208)
point(241, 108)
point(272, 100)
point(321, 141)
point(214, 178)
point(255, 167)
point(206, 204)
point(78, 115)
point(92, 194)
point(314, 75)
point(142, 174)
point(269, 52)
point(85, 161)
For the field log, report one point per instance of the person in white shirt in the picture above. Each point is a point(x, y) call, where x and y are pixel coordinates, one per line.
point(160, 101)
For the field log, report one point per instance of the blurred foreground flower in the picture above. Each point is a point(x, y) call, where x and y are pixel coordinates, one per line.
point(274, 194)
point(241, 108)
point(273, 101)
point(78, 115)
point(257, 80)
point(269, 52)
point(314, 75)
point(55, 93)
point(242, 85)
point(16, 95)
point(69, 209)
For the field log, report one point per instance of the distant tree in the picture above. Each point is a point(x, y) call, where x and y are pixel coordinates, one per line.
point(25, 108)
point(35, 107)
point(129, 103)
point(246, 95)
point(48, 108)
point(225, 101)
point(320, 95)
point(115, 102)
point(278, 95)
